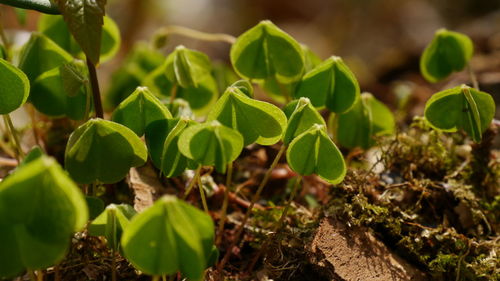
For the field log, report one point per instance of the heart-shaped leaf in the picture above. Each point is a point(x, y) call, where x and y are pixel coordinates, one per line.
point(303, 117)
point(314, 152)
point(103, 151)
point(85, 21)
point(139, 110)
point(40, 208)
point(357, 127)
point(265, 51)
point(330, 84)
point(14, 87)
point(463, 108)
point(168, 237)
point(111, 223)
point(211, 144)
point(187, 67)
point(49, 97)
point(162, 138)
point(74, 76)
point(56, 29)
point(257, 121)
point(448, 52)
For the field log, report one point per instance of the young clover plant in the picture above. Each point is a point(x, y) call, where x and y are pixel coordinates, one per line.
point(367, 118)
point(448, 52)
point(140, 110)
point(103, 151)
point(168, 237)
point(330, 84)
point(40, 209)
point(462, 108)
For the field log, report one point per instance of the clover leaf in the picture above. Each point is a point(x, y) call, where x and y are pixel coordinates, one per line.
point(187, 67)
point(301, 119)
point(14, 87)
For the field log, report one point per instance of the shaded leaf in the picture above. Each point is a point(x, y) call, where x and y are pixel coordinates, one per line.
point(111, 223)
point(95, 205)
point(14, 87)
point(302, 119)
point(74, 75)
point(257, 121)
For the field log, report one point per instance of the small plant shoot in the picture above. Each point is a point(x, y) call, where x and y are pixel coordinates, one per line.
point(461, 108)
point(358, 127)
point(330, 84)
point(448, 52)
point(168, 237)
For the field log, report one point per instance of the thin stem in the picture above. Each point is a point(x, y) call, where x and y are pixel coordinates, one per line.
point(192, 183)
point(57, 273)
point(191, 33)
point(88, 93)
point(164, 277)
point(12, 132)
point(39, 275)
point(32, 275)
point(278, 224)
point(222, 220)
point(99, 112)
point(113, 265)
point(202, 195)
point(472, 77)
point(34, 125)
point(44, 6)
point(5, 41)
point(155, 278)
point(173, 94)
point(250, 207)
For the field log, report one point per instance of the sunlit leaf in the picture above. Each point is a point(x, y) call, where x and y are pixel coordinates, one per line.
point(313, 152)
point(265, 51)
point(168, 237)
point(103, 151)
point(304, 116)
point(330, 84)
point(463, 108)
point(40, 208)
point(211, 144)
point(187, 67)
point(257, 121)
point(14, 87)
point(448, 52)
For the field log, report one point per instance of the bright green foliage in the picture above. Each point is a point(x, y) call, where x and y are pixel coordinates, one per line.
point(162, 138)
point(357, 127)
point(140, 61)
point(211, 144)
point(448, 52)
point(41, 54)
point(14, 87)
point(170, 236)
point(463, 108)
point(49, 96)
point(85, 21)
point(56, 29)
point(139, 110)
point(186, 67)
point(40, 208)
point(314, 152)
point(330, 84)
point(257, 121)
point(74, 76)
point(103, 151)
point(244, 86)
point(111, 223)
point(200, 98)
point(264, 52)
point(303, 117)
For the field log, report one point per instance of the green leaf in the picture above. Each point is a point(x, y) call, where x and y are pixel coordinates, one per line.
point(311, 60)
point(14, 87)
point(85, 21)
point(139, 110)
point(168, 237)
point(41, 54)
point(266, 51)
point(56, 29)
point(162, 138)
point(74, 75)
point(357, 127)
point(40, 209)
point(463, 108)
point(187, 67)
point(35, 153)
point(330, 84)
point(303, 117)
point(314, 152)
point(448, 52)
point(244, 86)
point(103, 151)
point(211, 144)
point(44, 6)
point(49, 97)
point(257, 121)
point(111, 223)
point(200, 98)
point(95, 205)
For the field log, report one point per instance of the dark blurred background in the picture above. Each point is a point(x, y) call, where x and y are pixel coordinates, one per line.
point(381, 40)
